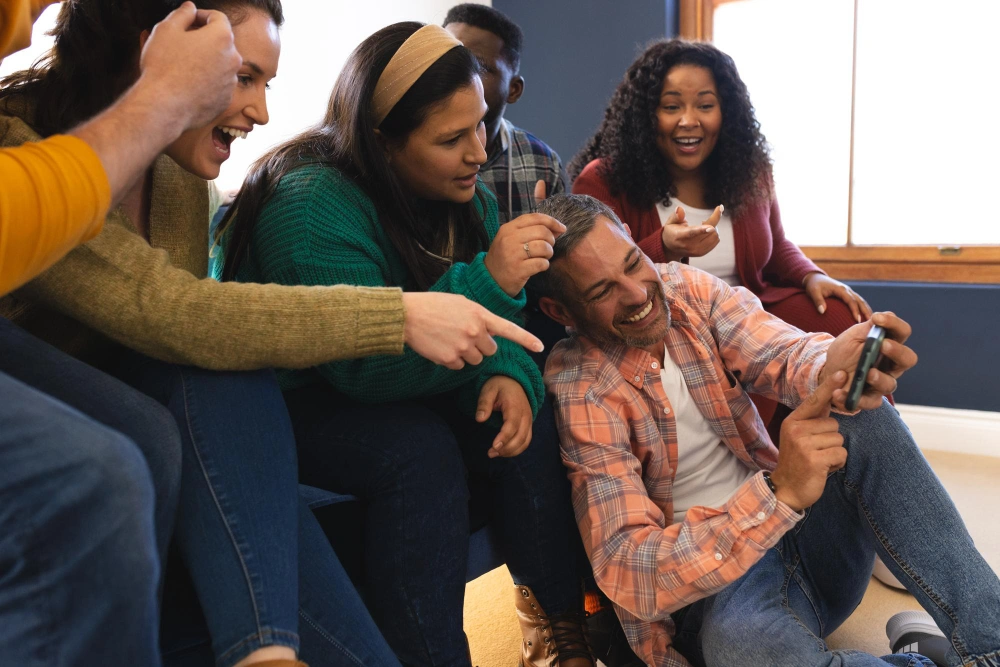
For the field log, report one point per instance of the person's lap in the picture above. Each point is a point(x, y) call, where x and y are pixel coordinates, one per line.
point(886, 500)
point(408, 463)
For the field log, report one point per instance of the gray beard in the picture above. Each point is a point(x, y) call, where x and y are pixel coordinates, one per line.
point(607, 338)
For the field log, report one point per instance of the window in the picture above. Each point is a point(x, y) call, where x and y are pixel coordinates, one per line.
point(880, 114)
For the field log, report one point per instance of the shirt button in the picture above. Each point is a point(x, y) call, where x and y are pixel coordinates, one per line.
point(666, 411)
point(761, 516)
point(655, 365)
point(718, 556)
point(636, 378)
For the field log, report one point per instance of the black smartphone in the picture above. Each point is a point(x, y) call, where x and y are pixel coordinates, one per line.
point(869, 355)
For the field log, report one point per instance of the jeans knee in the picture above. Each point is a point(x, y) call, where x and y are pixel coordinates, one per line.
point(117, 475)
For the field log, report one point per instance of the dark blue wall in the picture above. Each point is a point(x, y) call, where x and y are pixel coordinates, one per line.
point(954, 333)
point(575, 53)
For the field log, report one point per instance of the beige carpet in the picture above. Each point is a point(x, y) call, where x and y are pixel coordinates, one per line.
point(972, 481)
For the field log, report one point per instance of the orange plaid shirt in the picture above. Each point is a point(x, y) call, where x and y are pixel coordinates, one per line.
point(619, 441)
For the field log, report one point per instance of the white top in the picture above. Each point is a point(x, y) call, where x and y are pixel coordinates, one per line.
point(721, 260)
point(708, 473)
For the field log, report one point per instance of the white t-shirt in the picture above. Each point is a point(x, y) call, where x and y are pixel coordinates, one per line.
point(708, 473)
point(721, 260)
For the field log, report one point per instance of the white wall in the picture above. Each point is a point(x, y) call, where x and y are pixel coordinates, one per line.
point(317, 38)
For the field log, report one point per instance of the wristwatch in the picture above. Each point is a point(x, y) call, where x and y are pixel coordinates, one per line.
point(769, 481)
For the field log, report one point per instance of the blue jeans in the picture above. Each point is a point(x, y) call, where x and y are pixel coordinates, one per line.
point(885, 501)
point(408, 462)
point(244, 538)
point(81, 510)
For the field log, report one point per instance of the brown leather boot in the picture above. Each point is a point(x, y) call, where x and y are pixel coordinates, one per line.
point(550, 641)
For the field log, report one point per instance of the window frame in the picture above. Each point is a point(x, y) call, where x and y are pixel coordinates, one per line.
point(904, 263)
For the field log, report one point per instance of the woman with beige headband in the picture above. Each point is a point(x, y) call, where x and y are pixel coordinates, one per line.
point(384, 193)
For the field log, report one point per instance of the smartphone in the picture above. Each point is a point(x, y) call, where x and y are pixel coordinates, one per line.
point(869, 355)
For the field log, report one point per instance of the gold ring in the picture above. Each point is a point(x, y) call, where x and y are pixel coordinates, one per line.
point(527, 250)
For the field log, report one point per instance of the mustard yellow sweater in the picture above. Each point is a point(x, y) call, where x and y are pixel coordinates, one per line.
point(155, 297)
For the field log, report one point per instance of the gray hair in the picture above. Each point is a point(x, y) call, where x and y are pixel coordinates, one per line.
point(579, 213)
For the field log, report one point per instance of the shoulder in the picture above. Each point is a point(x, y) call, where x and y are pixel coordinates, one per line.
point(14, 132)
point(318, 192)
point(689, 287)
point(536, 145)
point(578, 368)
point(593, 175)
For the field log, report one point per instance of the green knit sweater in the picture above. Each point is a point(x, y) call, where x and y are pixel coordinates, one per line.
point(320, 228)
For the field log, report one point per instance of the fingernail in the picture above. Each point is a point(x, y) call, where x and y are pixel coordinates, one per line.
point(839, 375)
point(722, 209)
point(498, 446)
point(709, 230)
point(822, 310)
point(480, 415)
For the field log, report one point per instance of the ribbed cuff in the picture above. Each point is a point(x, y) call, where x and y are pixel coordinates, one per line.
point(380, 321)
point(483, 289)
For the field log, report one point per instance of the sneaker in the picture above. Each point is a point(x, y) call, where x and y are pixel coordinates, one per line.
point(916, 632)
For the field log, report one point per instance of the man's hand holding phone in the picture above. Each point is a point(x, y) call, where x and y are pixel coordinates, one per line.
point(847, 350)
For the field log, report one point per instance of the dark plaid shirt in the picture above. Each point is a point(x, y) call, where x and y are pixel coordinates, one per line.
point(528, 160)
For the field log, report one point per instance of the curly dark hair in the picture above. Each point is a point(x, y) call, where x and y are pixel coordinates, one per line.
point(739, 169)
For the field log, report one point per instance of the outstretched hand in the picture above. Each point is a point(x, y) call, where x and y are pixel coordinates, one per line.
point(453, 331)
point(681, 240)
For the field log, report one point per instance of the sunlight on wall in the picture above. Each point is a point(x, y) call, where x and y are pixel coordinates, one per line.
point(315, 41)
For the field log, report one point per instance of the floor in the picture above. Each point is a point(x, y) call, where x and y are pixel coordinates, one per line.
point(971, 481)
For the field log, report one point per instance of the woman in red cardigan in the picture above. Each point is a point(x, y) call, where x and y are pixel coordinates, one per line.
point(681, 159)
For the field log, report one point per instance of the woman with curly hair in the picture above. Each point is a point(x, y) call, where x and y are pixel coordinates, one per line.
point(681, 159)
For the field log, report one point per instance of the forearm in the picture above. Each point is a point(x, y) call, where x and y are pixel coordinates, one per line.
point(129, 292)
point(131, 133)
point(671, 567)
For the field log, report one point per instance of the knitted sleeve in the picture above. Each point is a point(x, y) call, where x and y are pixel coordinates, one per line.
point(321, 229)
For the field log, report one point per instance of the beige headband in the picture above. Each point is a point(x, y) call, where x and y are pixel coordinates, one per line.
point(421, 50)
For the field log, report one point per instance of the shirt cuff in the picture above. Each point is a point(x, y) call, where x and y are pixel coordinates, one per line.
point(761, 516)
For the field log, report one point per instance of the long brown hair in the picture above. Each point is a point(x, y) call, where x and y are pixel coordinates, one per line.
point(345, 140)
point(96, 57)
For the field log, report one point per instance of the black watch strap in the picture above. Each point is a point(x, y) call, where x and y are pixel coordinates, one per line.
point(769, 481)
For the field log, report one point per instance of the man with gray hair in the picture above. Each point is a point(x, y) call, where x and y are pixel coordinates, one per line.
point(714, 545)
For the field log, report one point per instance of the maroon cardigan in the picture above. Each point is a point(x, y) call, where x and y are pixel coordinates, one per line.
point(769, 265)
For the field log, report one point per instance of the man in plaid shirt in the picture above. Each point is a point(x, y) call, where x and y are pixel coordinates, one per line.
point(714, 547)
point(516, 160)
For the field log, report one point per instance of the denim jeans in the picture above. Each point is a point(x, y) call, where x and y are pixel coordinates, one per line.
point(885, 501)
point(241, 531)
point(81, 510)
point(408, 463)
point(107, 401)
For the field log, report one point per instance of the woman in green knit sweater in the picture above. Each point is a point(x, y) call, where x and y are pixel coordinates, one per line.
point(384, 193)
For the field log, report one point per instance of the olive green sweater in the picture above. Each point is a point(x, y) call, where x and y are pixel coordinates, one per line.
point(155, 297)
point(320, 228)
